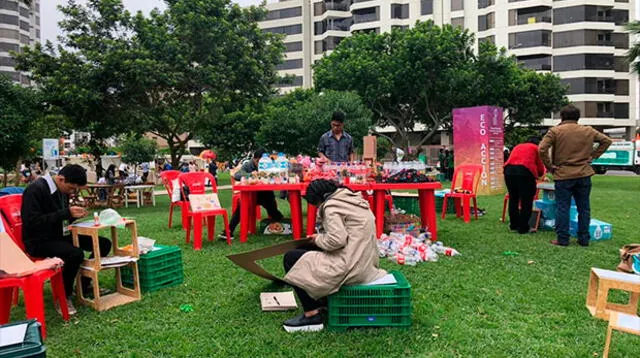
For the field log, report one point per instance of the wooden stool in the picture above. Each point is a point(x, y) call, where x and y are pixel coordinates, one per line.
point(621, 322)
point(601, 281)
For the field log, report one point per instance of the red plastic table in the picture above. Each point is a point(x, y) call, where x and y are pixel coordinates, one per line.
point(426, 197)
point(248, 203)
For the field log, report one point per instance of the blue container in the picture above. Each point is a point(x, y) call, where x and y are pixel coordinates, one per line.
point(598, 230)
point(548, 209)
point(636, 263)
point(548, 195)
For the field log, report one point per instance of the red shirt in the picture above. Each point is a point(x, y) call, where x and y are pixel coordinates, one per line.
point(526, 154)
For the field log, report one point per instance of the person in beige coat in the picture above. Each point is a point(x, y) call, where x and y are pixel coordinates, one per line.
point(343, 253)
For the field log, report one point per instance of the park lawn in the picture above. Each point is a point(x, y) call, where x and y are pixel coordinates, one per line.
point(480, 304)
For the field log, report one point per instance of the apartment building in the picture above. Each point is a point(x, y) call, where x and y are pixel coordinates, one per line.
point(583, 41)
point(19, 26)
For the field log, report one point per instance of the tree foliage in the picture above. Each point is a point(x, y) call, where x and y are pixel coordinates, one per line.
point(89, 78)
point(137, 149)
point(202, 60)
point(294, 123)
point(418, 75)
point(18, 108)
point(634, 52)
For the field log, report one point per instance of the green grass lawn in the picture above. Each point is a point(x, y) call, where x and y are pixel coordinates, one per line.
point(480, 304)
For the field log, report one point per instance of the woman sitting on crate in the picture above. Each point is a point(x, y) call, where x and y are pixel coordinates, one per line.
point(343, 253)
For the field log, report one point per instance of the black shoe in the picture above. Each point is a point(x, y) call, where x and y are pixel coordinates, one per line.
point(223, 236)
point(583, 244)
point(304, 324)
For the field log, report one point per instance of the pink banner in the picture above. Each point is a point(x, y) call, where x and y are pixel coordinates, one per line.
point(478, 138)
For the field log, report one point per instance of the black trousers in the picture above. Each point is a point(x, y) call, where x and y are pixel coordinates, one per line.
point(267, 200)
point(71, 255)
point(522, 190)
point(290, 259)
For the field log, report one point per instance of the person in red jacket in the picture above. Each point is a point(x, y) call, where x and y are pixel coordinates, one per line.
point(521, 171)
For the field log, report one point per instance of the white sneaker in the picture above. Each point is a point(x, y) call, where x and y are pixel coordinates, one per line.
point(223, 236)
point(70, 307)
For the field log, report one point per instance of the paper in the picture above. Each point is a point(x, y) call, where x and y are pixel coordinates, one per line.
point(278, 301)
point(247, 260)
point(204, 202)
point(84, 224)
point(387, 279)
point(13, 334)
point(115, 261)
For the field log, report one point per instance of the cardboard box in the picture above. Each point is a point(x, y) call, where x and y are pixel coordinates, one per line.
point(598, 230)
point(370, 147)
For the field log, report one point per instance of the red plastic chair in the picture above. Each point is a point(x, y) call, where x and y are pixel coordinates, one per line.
point(195, 182)
point(465, 179)
point(10, 206)
point(168, 177)
point(33, 290)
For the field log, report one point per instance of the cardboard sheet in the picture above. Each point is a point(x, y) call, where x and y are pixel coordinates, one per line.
point(247, 260)
point(15, 263)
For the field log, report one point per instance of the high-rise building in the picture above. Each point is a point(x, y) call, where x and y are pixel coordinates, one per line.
point(19, 26)
point(583, 41)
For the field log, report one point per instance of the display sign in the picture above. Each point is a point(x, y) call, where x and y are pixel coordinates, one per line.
point(50, 149)
point(478, 138)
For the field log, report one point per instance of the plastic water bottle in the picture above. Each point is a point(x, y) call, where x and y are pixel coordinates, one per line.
point(282, 164)
point(265, 163)
point(447, 251)
point(411, 260)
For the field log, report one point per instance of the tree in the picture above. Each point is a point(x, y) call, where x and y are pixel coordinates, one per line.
point(19, 107)
point(89, 79)
point(137, 149)
point(419, 75)
point(294, 123)
point(634, 51)
point(203, 60)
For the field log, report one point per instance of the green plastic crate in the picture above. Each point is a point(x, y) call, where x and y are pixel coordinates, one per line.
point(407, 202)
point(157, 269)
point(31, 346)
point(451, 207)
point(371, 306)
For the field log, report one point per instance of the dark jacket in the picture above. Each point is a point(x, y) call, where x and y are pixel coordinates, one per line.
point(43, 213)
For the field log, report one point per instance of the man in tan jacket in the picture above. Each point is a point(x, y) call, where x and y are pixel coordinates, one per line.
point(571, 147)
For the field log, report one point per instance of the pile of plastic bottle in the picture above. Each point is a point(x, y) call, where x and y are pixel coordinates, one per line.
point(406, 249)
point(344, 173)
point(394, 167)
point(272, 171)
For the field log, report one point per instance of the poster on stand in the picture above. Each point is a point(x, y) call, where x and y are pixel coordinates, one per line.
point(478, 138)
point(50, 149)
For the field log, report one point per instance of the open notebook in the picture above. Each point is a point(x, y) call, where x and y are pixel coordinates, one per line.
point(278, 301)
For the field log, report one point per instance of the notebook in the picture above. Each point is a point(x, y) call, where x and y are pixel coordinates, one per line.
point(204, 202)
point(278, 301)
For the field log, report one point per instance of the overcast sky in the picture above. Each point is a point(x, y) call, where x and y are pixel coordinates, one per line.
point(50, 16)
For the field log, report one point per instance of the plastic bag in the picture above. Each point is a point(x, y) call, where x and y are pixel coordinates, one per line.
point(110, 217)
point(175, 195)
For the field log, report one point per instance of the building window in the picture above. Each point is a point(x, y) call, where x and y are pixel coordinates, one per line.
point(290, 64)
point(457, 5)
point(7, 62)
point(328, 44)
point(24, 26)
point(325, 25)
point(591, 85)
point(621, 110)
point(9, 19)
point(529, 39)
point(591, 13)
point(622, 87)
point(289, 81)
point(491, 39)
point(24, 12)
point(6, 47)
point(8, 5)
point(14, 76)
point(366, 15)
point(620, 17)
point(320, 8)
point(284, 13)
point(485, 3)
point(530, 15)
point(9, 34)
point(486, 22)
point(620, 64)
point(24, 39)
point(604, 109)
point(426, 7)
point(536, 62)
point(589, 38)
point(458, 22)
point(287, 30)
point(399, 11)
point(583, 62)
point(293, 46)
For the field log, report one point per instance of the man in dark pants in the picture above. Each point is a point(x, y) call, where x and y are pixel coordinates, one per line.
point(46, 216)
point(266, 199)
point(571, 147)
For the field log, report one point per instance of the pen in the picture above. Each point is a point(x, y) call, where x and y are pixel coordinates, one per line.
point(276, 299)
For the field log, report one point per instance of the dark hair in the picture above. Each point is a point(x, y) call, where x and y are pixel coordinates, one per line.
point(569, 113)
point(258, 153)
point(337, 116)
point(319, 190)
point(74, 174)
point(534, 139)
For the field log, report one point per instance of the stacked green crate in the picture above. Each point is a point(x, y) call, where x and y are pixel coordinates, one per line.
point(407, 202)
point(371, 306)
point(31, 345)
point(158, 269)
